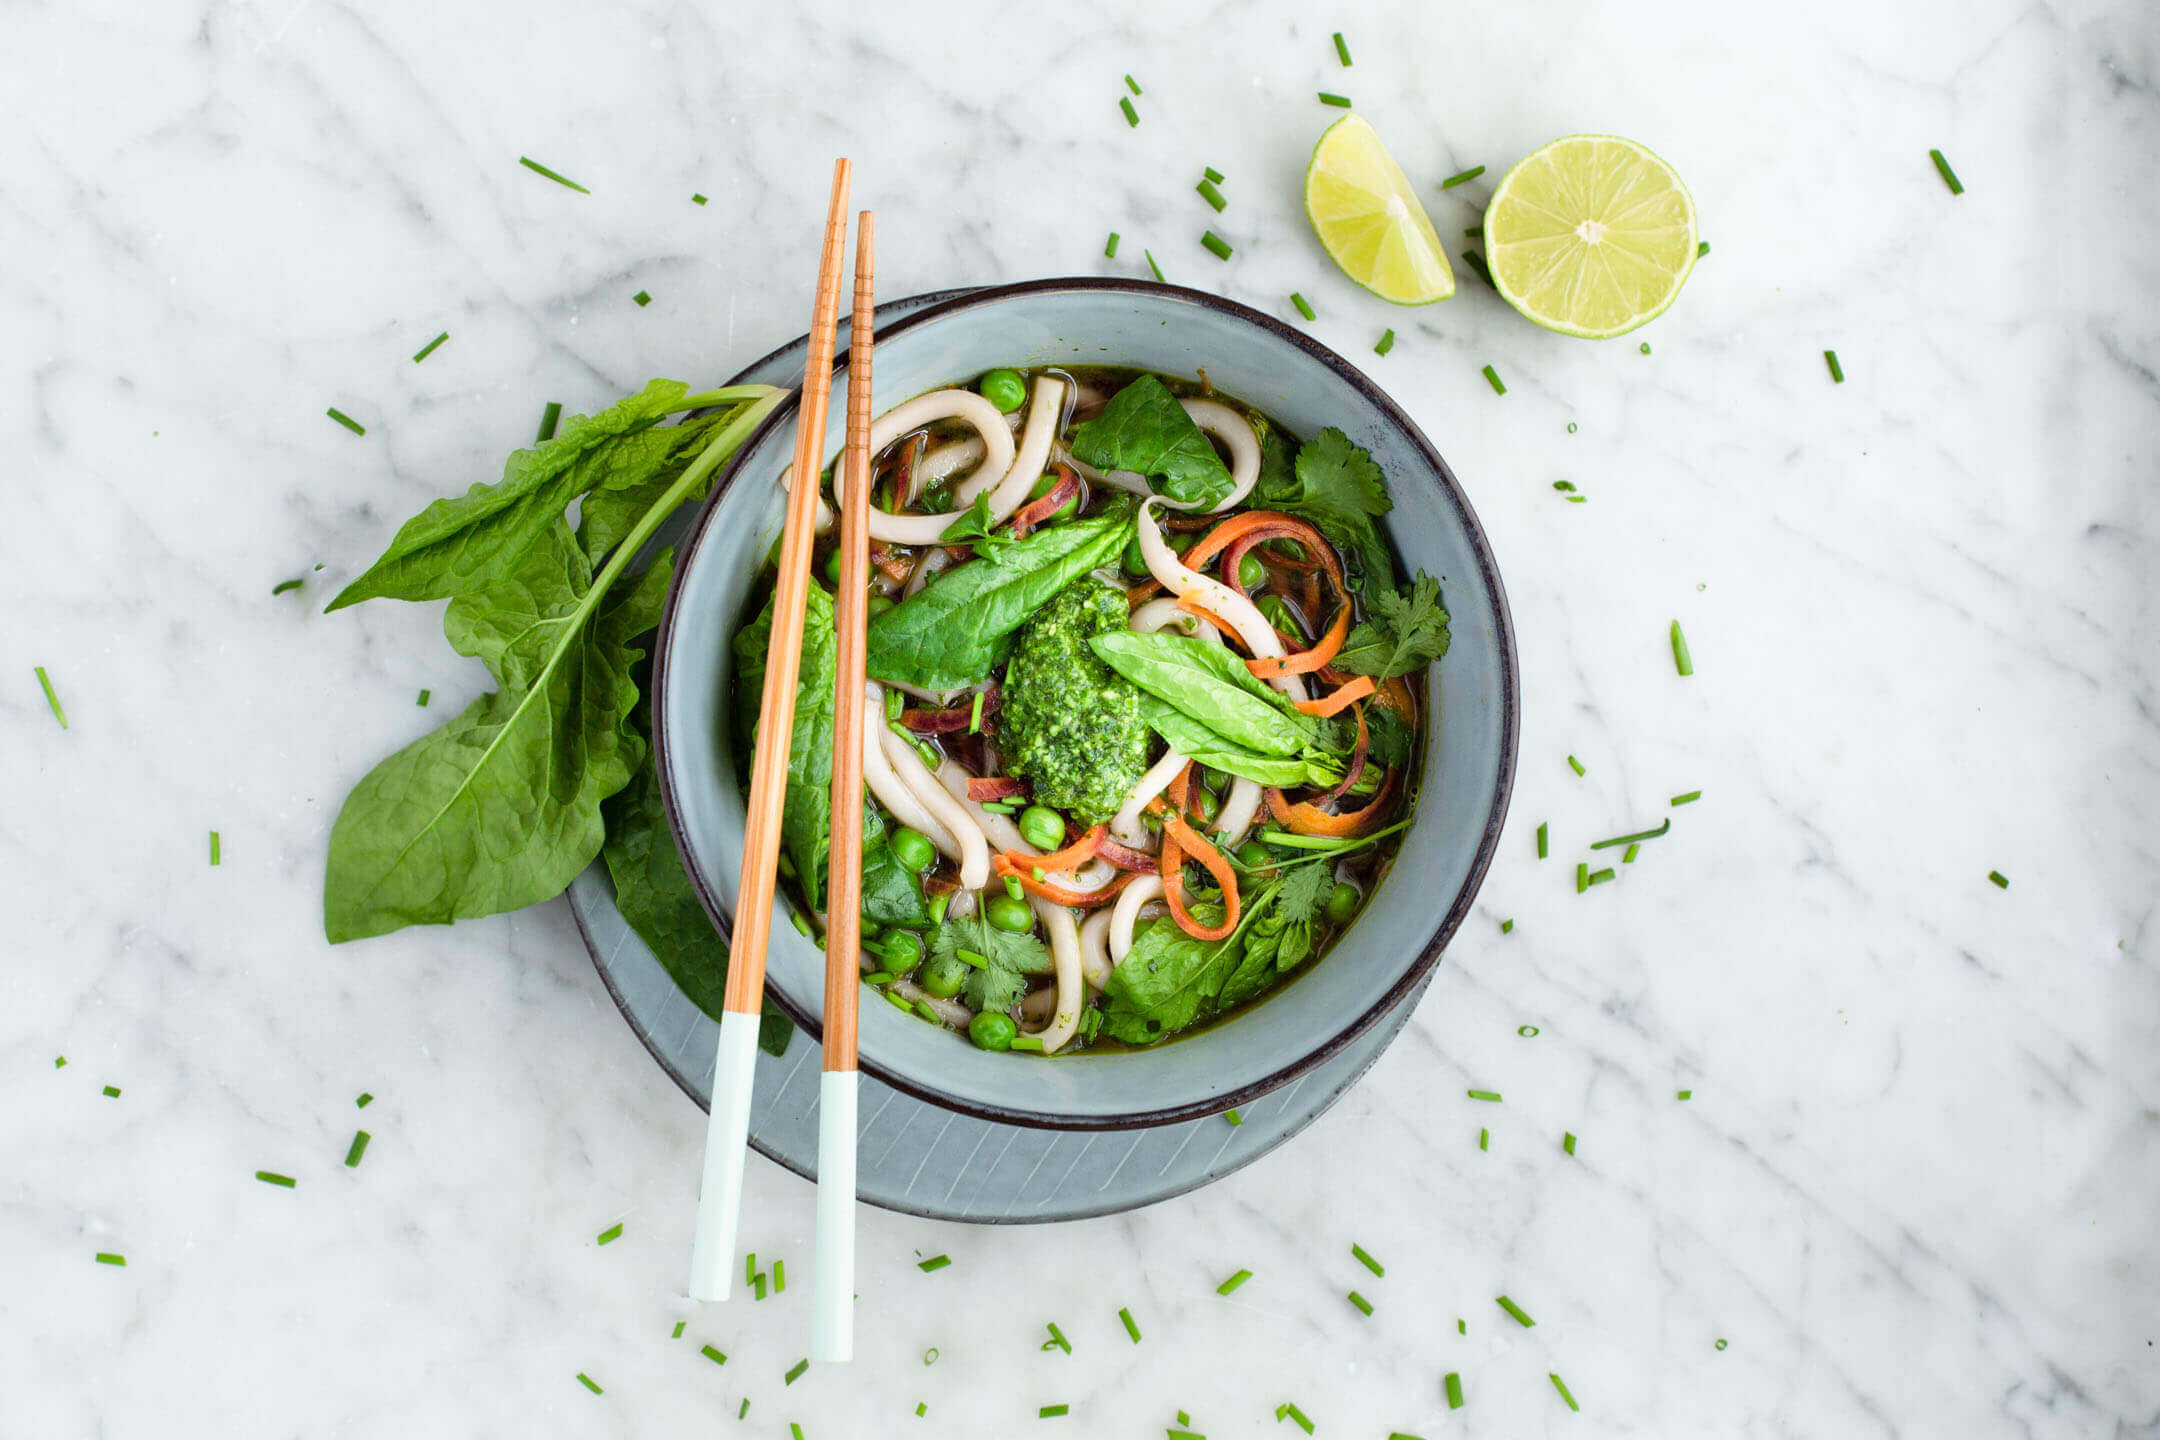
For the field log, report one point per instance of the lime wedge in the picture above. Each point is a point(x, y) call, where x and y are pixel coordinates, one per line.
point(1592, 236)
point(1369, 219)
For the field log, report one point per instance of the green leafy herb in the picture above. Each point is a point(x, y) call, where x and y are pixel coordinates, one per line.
point(1279, 935)
point(1477, 262)
point(1702, 248)
point(431, 346)
point(1132, 85)
point(1405, 630)
point(346, 420)
point(1001, 961)
point(1144, 429)
point(1389, 736)
point(424, 696)
point(538, 169)
point(1212, 175)
point(1057, 1340)
point(806, 816)
point(1338, 487)
point(1295, 1415)
point(1211, 684)
point(1232, 1117)
point(952, 632)
point(797, 1371)
point(1567, 1141)
point(976, 526)
point(1576, 765)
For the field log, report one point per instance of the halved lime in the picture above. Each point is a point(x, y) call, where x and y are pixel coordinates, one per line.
point(1592, 236)
point(1369, 219)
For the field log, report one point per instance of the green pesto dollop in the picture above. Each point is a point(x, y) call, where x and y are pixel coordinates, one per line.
point(1069, 723)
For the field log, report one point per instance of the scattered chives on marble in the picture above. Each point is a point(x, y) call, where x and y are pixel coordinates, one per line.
point(1688, 799)
point(589, 1383)
point(1837, 371)
point(430, 348)
point(363, 1100)
point(214, 856)
point(346, 420)
point(1491, 1096)
point(1109, 248)
point(1999, 880)
point(1215, 245)
point(1682, 661)
point(45, 683)
point(548, 420)
point(1477, 262)
point(757, 1288)
point(1462, 177)
point(284, 585)
point(1598, 877)
point(1132, 85)
point(1229, 1286)
point(1304, 306)
point(1627, 857)
point(609, 1235)
point(1720, 1344)
point(1051, 1412)
point(1638, 835)
point(271, 1177)
point(422, 701)
point(358, 1148)
point(1342, 51)
point(59, 1062)
point(112, 1092)
point(1507, 927)
point(1289, 1409)
point(1561, 1386)
point(1543, 828)
point(1484, 1138)
point(107, 1257)
point(1212, 175)
point(1154, 267)
point(779, 1276)
point(1213, 196)
point(680, 1326)
point(796, 1373)
point(1582, 877)
point(712, 1354)
point(1702, 248)
point(1057, 1340)
point(697, 199)
point(1942, 168)
point(1233, 1117)
point(1132, 1326)
point(1361, 1302)
point(1492, 378)
point(538, 169)
point(745, 1410)
point(1575, 765)
point(1521, 1318)
point(1364, 1257)
point(1340, 102)
point(1132, 116)
point(1567, 1141)
point(935, 1262)
point(922, 1408)
point(1385, 343)
point(641, 299)
point(1453, 1383)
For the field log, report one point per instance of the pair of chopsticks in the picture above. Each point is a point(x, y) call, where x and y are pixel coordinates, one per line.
point(720, 1195)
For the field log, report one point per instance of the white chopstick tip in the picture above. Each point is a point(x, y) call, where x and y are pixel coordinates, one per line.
point(832, 1316)
point(727, 1136)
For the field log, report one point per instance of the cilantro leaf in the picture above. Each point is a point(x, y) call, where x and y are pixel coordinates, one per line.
point(976, 527)
point(1304, 891)
point(1390, 738)
point(996, 984)
point(1144, 429)
point(1339, 488)
point(1406, 630)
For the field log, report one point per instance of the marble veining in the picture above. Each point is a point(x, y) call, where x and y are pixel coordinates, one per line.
point(1913, 1190)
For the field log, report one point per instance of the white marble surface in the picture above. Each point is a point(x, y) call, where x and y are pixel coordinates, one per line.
point(1916, 1186)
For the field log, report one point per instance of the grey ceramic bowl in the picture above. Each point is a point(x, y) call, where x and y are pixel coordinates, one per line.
point(1469, 756)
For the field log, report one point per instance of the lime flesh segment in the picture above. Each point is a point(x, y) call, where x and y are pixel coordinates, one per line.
point(1591, 236)
point(1369, 219)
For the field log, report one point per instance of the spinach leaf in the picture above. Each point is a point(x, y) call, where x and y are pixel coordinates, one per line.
point(613, 510)
point(459, 546)
point(653, 892)
point(1209, 683)
point(500, 808)
point(998, 982)
point(1168, 980)
point(1188, 736)
point(1279, 936)
point(977, 528)
point(890, 894)
point(1406, 630)
point(1335, 485)
point(1144, 429)
point(953, 631)
point(806, 797)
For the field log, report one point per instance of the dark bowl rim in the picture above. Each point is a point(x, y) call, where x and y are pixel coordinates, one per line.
point(1428, 956)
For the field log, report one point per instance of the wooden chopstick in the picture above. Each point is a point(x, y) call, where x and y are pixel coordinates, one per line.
point(728, 1128)
point(832, 1328)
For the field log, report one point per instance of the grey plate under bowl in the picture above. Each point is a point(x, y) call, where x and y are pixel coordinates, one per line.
point(917, 1157)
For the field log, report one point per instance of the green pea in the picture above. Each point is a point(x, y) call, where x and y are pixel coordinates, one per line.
point(1184, 540)
point(1250, 572)
point(1134, 561)
point(1342, 903)
point(992, 1031)
point(1006, 913)
point(1042, 827)
point(1255, 856)
point(1044, 486)
point(912, 851)
point(880, 602)
point(1004, 389)
point(832, 568)
point(902, 950)
point(1211, 778)
point(944, 976)
point(1276, 612)
point(1209, 805)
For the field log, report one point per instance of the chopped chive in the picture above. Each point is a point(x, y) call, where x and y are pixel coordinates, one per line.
point(1057, 1338)
point(429, 348)
point(1561, 1386)
point(680, 1326)
point(1688, 799)
point(929, 1357)
point(1507, 926)
point(969, 957)
point(641, 299)
point(589, 1384)
point(1644, 348)
point(1682, 661)
point(1012, 887)
point(1600, 877)
point(1132, 116)
point(1490, 1095)
point(358, 1148)
point(1230, 1285)
point(1215, 245)
point(59, 1062)
point(2002, 881)
point(1484, 1138)
point(1453, 1382)
point(1578, 499)
point(1154, 267)
point(45, 684)
point(1340, 102)
point(707, 1351)
point(879, 977)
point(1385, 343)
point(749, 1267)
point(697, 199)
point(1521, 1318)
point(1627, 856)
point(1683, 1094)
point(1575, 765)
point(1039, 876)
point(106, 1257)
point(537, 168)
point(1582, 877)
point(1213, 196)
point(1462, 1326)
point(1342, 51)
point(1132, 85)
point(1364, 1257)
point(1702, 248)
point(1567, 1141)
point(794, 1430)
point(1361, 1302)
point(271, 1177)
point(363, 1100)
point(1304, 306)
point(1132, 1327)
point(1183, 1418)
point(975, 714)
point(346, 420)
point(610, 1235)
point(113, 1091)
point(1471, 232)
point(1942, 167)
point(1528, 1032)
point(935, 1262)
point(1837, 371)
point(1720, 1344)
point(1299, 1416)
point(1492, 378)
point(213, 847)
point(1477, 262)
point(1051, 1412)
point(739, 1414)
point(757, 1288)
point(800, 921)
point(548, 417)
point(1024, 1042)
point(1233, 1117)
point(1109, 249)
point(1541, 838)
point(1638, 835)
point(1462, 177)
point(1563, 485)
point(797, 1373)
point(284, 585)
point(1212, 174)
point(922, 1408)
